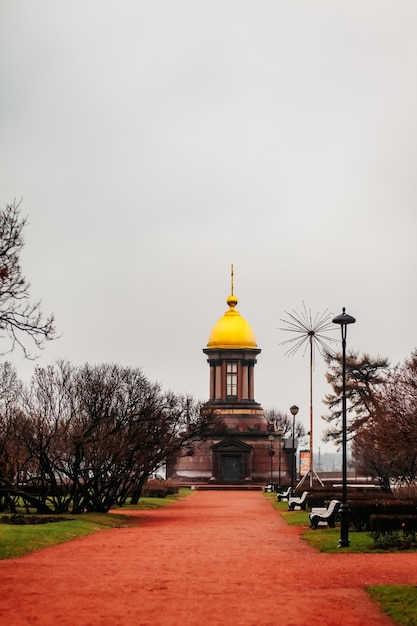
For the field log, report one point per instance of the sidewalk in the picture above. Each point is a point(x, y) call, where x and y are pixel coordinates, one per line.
point(218, 558)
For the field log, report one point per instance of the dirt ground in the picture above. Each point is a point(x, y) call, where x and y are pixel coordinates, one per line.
point(214, 558)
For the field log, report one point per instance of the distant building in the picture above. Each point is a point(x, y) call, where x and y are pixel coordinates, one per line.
point(247, 451)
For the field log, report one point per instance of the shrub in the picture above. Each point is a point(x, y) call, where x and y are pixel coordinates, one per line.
point(386, 541)
point(388, 523)
point(155, 488)
point(172, 488)
point(393, 531)
point(322, 497)
point(361, 511)
point(394, 539)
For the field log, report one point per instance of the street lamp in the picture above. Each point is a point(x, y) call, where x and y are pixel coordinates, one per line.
point(344, 319)
point(271, 454)
point(294, 411)
point(279, 433)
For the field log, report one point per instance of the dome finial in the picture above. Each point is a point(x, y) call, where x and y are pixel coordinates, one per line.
point(232, 300)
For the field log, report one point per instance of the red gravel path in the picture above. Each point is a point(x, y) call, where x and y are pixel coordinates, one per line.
point(214, 558)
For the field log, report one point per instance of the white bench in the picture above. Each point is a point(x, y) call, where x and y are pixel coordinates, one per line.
point(328, 516)
point(319, 510)
point(299, 502)
point(284, 495)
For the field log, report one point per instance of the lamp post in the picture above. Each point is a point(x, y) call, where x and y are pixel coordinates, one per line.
point(294, 411)
point(344, 319)
point(271, 454)
point(279, 432)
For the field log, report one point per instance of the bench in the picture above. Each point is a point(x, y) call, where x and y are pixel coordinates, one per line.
point(284, 495)
point(357, 486)
point(319, 510)
point(329, 515)
point(301, 501)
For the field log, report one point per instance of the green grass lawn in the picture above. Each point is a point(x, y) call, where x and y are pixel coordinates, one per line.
point(398, 602)
point(18, 540)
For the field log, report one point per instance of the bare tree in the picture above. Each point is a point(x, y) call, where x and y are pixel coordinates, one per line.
point(124, 428)
point(86, 438)
point(17, 464)
point(9, 446)
point(278, 420)
point(91, 435)
point(46, 407)
point(19, 318)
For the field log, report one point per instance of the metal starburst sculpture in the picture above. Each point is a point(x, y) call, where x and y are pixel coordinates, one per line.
point(311, 332)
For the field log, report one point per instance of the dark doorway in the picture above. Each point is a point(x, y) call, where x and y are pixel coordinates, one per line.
point(231, 468)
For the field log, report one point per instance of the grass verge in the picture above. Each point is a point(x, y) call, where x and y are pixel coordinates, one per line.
point(399, 602)
point(18, 540)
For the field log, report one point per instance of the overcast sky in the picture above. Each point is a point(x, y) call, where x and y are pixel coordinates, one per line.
point(155, 143)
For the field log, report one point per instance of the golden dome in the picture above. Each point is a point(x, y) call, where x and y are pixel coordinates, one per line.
point(232, 330)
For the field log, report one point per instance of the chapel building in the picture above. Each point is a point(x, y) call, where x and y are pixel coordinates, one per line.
point(246, 451)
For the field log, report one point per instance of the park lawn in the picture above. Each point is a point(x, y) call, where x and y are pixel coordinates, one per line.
point(17, 540)
point(399, 602)
point(327, 539)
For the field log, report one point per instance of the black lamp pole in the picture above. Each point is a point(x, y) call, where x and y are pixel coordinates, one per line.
point(279, 433)
point(294, 411)
point(271, 454)
point(344, 319)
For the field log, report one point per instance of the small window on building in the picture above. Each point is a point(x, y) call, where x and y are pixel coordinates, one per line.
point(231, 378)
